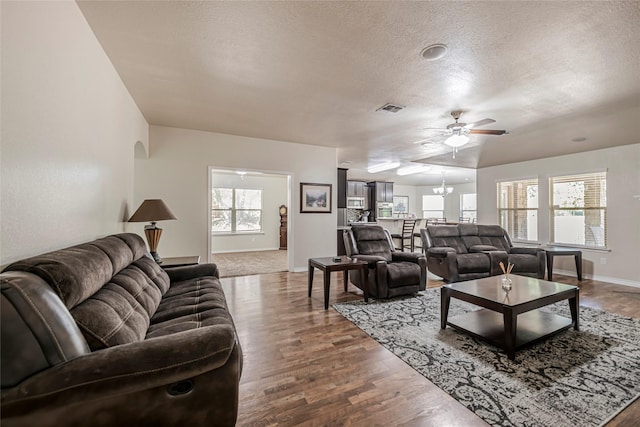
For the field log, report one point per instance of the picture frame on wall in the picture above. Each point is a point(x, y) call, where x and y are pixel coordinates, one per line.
point(315, 198)
point(401, 205)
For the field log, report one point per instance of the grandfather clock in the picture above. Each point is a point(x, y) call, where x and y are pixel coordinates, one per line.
point(283, 227)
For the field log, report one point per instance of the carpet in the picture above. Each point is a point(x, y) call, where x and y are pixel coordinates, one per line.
point(232, 264)
point(575, 378)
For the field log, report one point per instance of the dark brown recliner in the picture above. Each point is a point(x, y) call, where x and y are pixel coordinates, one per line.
point(471, 251)
point(391, 273)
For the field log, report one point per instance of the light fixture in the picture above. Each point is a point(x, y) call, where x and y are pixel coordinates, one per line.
point(152, 210)
point(443, 190)
point(383, 167)
point(408, 170)
point(457, 140)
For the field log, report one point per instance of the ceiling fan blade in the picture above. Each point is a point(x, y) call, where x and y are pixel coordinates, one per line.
point(487, 132)
point(479, 123)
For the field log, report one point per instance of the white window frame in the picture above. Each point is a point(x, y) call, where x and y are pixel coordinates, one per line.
point(510, 211)
point(428, 213)
point(234, 210)
point(592, 207)
point(472, 214)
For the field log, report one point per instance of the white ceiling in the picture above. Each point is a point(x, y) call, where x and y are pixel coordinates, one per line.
point(315, 72)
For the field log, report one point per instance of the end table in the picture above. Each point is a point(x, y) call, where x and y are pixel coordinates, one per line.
point(327, 265)
point(180, 261)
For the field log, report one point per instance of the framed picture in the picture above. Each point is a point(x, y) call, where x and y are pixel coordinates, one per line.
point(400, 204)
point(315, 198)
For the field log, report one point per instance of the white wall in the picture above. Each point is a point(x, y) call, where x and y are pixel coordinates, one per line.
point(177, 171)
point(69, 127)
point(623, 211)
point(274, 194)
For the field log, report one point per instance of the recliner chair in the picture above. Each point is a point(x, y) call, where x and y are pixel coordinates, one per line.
point(391, 273)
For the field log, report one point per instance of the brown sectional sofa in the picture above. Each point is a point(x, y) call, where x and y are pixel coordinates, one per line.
point(98, 334)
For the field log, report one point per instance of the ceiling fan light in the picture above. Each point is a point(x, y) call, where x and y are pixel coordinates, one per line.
point(456, 141)
point(383, 167)
point(449, 190)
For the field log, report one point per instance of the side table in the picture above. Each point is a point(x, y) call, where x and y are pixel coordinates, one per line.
point(327, 265)
point(180, 261)
point(554, 252)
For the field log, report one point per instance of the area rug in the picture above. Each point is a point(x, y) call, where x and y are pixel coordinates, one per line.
point(575, 378)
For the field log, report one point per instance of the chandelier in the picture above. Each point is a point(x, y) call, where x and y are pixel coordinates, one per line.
point(443, 190)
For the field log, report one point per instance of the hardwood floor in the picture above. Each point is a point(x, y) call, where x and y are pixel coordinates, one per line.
point(306, 366)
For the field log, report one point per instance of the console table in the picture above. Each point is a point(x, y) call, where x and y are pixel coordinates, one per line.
point(554, 252)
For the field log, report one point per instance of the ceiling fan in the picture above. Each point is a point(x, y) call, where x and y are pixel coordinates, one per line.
point(459, 132)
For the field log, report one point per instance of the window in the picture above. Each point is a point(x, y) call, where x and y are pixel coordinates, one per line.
point(468, 207)
point(579, 209)
point(236, 210)
point(432, 206)
point(518, 208)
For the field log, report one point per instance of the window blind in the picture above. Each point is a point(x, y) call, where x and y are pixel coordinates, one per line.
point(518, 208)
point(579, 209)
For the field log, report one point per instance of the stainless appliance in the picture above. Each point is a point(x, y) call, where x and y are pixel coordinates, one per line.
point(384, 210)
point(355, 202)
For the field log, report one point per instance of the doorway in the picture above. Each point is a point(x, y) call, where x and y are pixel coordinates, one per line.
point(244, 221)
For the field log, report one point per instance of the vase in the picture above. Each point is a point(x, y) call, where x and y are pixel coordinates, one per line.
point(506, 283)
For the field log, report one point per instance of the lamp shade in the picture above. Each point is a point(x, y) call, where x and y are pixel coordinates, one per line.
point(152, 210)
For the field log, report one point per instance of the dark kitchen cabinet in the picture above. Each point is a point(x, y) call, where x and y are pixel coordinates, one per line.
point(355, 189)
point(383, 191)
point(342, 188)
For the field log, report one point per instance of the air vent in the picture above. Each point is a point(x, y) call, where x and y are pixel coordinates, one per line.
point(390, 108)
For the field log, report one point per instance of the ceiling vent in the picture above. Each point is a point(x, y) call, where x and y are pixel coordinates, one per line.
point(390, 108)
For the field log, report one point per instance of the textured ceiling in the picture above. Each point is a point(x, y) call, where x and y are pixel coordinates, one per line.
point(315, 72)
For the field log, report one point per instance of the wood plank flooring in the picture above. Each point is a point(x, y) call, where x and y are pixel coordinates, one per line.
point(306, 366)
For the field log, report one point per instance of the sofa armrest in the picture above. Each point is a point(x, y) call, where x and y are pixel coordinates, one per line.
point(497, 257)
point(525, 250)
point(440, 252)
point(127, 368)
point(371, 259)
point(179, 274)
point(482, 248)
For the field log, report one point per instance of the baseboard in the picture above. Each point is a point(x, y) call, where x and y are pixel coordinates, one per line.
point(245, 250)
point(613, 280)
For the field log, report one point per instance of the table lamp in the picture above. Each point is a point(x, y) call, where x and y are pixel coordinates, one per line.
point(152, 210)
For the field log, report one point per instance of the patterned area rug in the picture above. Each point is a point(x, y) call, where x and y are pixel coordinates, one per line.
point(571, 379)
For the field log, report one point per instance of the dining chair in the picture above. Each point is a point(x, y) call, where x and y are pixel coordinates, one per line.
point(406, 233)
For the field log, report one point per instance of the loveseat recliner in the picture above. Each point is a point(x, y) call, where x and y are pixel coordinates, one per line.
point(390, 273)
point(472, 251)
point(98, 334)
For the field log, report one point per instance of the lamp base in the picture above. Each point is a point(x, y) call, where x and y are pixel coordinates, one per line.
point(153, 239)
point(156, 257)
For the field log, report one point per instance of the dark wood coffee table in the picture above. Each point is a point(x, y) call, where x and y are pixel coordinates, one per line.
point(328, 264)
point(510, 320)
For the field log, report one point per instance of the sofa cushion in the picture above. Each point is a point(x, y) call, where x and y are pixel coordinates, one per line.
point(190, 304)
point(77, 272)
point(120, 311)
point(372, 241)
point(472, 263)
point(482, 248)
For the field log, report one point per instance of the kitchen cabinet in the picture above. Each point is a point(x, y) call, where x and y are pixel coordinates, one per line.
point(382, 191)
point(342, 188)
point(355, 189)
